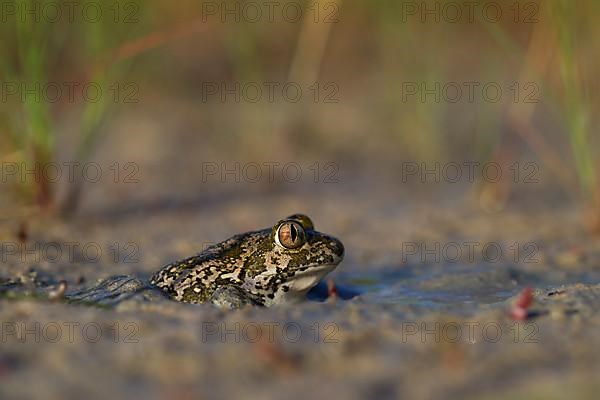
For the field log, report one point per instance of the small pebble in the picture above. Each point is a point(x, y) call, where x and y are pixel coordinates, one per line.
point(59, 292)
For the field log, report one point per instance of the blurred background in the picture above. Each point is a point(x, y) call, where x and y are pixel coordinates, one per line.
point(362, 92)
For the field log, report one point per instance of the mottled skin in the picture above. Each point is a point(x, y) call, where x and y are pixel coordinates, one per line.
point(253, 268)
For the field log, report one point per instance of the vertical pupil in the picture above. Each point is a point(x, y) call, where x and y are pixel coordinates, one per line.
point(294, 233)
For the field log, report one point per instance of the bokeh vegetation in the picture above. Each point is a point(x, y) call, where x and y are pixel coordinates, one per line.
point(371, 51)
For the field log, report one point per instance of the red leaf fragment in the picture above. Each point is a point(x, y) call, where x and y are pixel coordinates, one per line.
point(519, 309)
point(331, 289)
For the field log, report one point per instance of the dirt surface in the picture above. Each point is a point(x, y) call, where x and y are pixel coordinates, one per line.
point(420, 327)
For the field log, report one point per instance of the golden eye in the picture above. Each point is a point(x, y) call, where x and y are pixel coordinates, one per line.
point(290, 235)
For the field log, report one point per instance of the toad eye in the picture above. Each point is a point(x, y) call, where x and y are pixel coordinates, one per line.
point(290, 235)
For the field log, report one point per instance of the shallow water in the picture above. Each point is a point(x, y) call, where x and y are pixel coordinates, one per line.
point(450, 288)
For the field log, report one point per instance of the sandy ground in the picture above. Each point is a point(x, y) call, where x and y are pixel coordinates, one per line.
point(420, 328)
